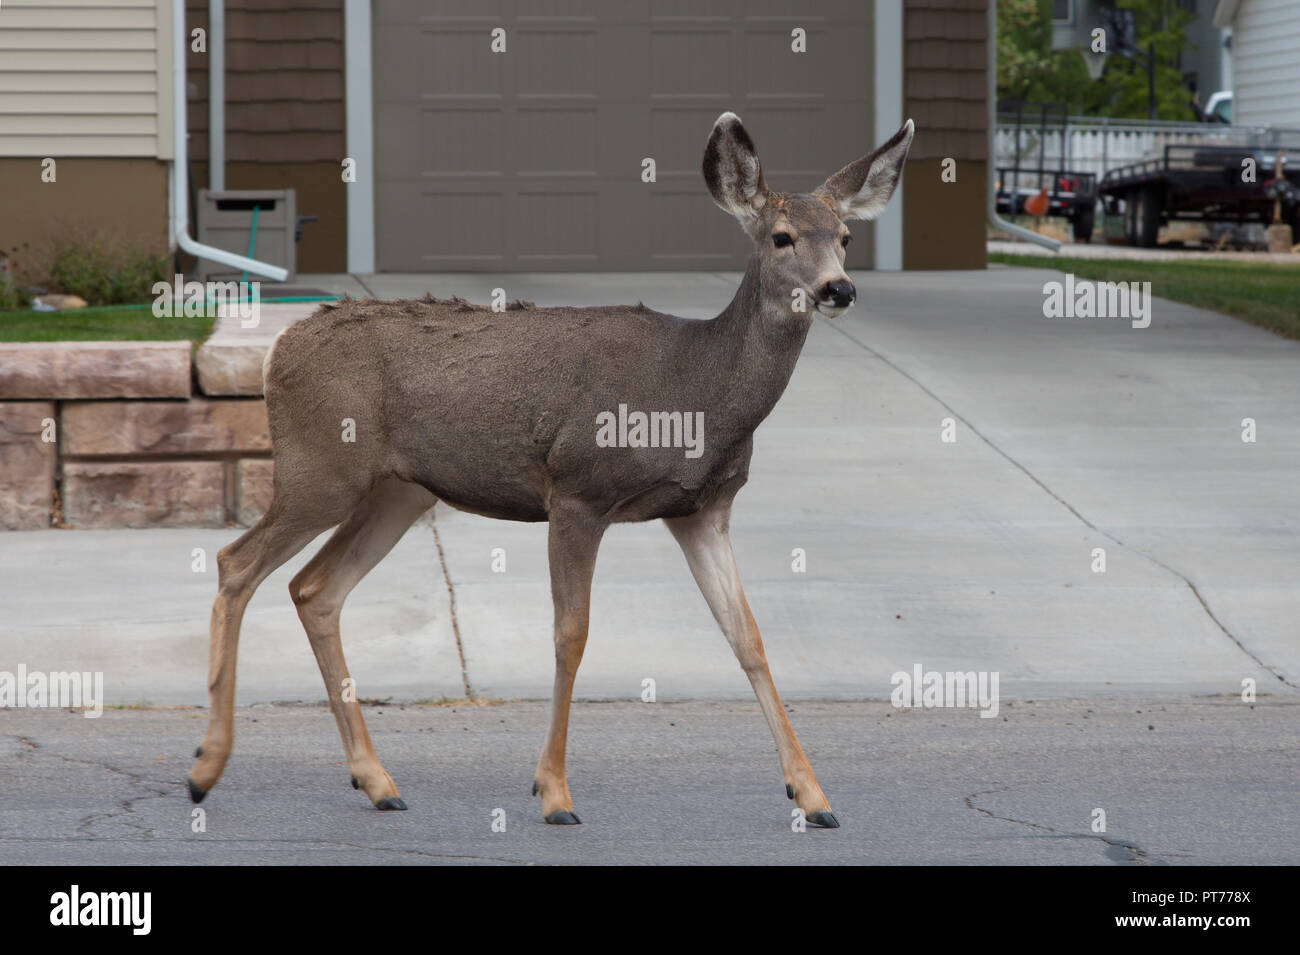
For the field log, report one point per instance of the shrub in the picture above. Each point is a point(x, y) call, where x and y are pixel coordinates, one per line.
point(105, 273)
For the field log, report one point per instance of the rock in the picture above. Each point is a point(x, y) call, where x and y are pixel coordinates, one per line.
point(164, 427)
point(95, 370)
point(144, 494)
point(26, 464)
point(59, 303)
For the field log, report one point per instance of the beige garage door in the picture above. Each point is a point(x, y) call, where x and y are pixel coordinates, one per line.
point(531, 159)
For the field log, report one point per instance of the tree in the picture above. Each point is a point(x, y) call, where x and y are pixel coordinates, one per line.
point(1028, 68)
point(1122, 90)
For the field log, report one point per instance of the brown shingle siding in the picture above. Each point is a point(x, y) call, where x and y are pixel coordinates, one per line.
point(284, 81)
point(318, 24)
point(945, 54)
point(945, 67)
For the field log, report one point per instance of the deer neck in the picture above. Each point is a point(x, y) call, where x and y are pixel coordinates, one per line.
point(755, 343)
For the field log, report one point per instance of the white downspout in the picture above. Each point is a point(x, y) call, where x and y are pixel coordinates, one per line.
point(216, 95)
point(180, 173)
point(994, 220)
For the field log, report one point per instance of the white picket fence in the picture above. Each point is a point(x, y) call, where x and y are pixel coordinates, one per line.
point(1088, 144)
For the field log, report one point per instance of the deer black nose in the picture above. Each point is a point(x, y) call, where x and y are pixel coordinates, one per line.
point(840, 293)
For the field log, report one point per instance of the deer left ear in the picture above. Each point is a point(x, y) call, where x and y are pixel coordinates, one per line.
point(862, 189)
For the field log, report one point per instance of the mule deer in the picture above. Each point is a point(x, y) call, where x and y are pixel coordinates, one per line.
point(496, 413)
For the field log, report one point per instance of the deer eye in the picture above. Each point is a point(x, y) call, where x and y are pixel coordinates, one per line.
point(782, 239)
point(845, 240)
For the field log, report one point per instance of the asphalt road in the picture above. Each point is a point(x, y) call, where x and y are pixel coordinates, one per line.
point(1209, 781)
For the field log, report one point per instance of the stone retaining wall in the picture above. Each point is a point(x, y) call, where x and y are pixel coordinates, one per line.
point(110, 434)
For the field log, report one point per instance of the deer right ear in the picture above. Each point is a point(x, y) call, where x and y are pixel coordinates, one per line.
point(732, 171)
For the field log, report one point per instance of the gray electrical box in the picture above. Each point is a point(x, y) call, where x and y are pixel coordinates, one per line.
point(226, 222)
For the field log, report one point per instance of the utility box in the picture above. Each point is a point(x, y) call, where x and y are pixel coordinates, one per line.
point(226, 222)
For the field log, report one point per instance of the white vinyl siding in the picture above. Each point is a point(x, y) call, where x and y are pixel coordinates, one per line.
point(1266, 65)
point(85, 78)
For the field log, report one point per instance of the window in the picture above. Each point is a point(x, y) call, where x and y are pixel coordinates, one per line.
point(1063, 11)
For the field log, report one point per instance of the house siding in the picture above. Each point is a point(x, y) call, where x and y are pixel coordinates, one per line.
point(85, 78)
point(1266, 68)
point(945, 93)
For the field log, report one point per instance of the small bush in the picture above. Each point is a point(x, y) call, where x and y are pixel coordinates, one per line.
point(106, 274)
point(12, 277)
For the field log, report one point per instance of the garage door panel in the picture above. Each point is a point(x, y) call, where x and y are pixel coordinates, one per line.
point(557, 142)
point(782, 135)
point(406, 12)
point(783, 73)
point(694, 63)
point(695, 9)
point(688, 231)
point(540, 149)
point(556, 62)
point(454, 142)
point(543, 242)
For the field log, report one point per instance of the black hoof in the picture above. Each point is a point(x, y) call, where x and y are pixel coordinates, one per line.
point(356, 783)
point(391, 804)
point(196, 794)
point(534, 787)
point(563, 817)
point(824, 818)
point(198, 752)
point(789, 791)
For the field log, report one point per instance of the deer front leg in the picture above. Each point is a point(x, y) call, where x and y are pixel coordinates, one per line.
point(705, 540)
point(573, 540)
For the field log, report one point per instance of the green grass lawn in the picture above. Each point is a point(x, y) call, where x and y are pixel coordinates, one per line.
point(107, 323)
point(1264, 294)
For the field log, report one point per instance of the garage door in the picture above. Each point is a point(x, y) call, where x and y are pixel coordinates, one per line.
point(532, 159)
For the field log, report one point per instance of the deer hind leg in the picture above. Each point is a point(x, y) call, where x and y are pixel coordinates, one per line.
point(705, 540)
point(319, 590)
point(573, 540)
point(284, 530)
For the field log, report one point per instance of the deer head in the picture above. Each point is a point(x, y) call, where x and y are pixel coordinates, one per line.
point(800, 238)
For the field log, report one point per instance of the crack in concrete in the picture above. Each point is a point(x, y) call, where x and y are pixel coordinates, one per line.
point(451, 601)
point(1136, 854)
point(1072, 509)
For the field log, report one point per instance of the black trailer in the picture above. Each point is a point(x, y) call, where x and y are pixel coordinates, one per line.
point(1069, 194)
point(1200, 184)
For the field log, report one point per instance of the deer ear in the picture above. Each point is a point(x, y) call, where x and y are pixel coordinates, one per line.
point(862, 188)
point(732, 171)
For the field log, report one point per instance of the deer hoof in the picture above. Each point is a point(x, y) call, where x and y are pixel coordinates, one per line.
point(563, 817)
point(196, 794)
point(824, 818)
point(393, 804)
